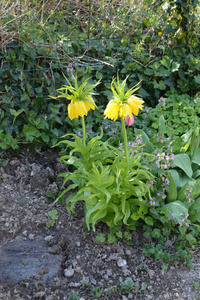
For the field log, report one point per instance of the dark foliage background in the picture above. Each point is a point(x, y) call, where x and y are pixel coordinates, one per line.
point(155, 42)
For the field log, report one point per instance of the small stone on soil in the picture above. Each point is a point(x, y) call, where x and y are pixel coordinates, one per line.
point(121, 262)
point(69, 272)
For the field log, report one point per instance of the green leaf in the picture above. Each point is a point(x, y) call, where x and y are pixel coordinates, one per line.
point(16, 113)
point(30, 132)
point(173, 210)
point(110, 44)
point(119, 234)
point(196, 174)
point(166, 62)
point(182, 193)
point(196, 188)
point(45, 137)
point(118, 214)
point(101, 237)
point(97, 216)
point(162, 126)
point(156, 233)
point(195, 207)
point(194, 216)
point(160, 85)
point(189, 237)
point(197, 79)
point(172, 190)
point(196, 285)
point(111, 238)
point(135, 216)
point(149, 71)
point(90, 211)
point(126, 210)
point(183, 162)
point(143, 286)
point(149, 221)
point(164, 266)
point(196, 157)
point(53, 214)
point(184, 179)
point(145, 138)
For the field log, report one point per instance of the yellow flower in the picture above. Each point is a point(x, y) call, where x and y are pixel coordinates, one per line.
point(123, 109)
point(135, 103)
point(112, 110)
point(72, 112)
point(123, 103)
point(80, 97)
point(89, 105)
point(80, 108)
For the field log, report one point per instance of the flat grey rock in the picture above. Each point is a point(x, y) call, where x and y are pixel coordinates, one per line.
point(21, 259)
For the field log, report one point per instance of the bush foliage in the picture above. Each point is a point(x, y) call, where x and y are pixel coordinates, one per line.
point(40, 40)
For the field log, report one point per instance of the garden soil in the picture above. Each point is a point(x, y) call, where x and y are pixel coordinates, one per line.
point(47, 253)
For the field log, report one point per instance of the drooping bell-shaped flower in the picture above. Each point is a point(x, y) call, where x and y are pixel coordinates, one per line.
point(80, 98)
point(123, 103)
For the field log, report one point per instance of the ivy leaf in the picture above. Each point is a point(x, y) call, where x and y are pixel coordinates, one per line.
point(30, 133)
point(172, 190)
point(197, 79)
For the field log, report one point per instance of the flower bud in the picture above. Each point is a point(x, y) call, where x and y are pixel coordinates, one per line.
point(129, 121)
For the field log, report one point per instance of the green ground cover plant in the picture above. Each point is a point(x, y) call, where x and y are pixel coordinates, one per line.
point(179, 112)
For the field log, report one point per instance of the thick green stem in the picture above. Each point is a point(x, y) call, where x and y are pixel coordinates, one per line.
point(84, 133)
point(125, 138)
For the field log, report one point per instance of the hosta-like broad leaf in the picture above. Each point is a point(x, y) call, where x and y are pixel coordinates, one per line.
point(195, 207)
point(196, 188)
point(175, 176)
point(171, 190)
point(183, 162)
point(195, 216)
point(196, 174)
point(196, 157)
point(174, 210)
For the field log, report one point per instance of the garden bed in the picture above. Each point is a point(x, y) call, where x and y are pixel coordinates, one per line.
point(34, 233)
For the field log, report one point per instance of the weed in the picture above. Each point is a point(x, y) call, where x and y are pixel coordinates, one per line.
point(53, 214)
point(97, 292)
point(125, 287)
point(196, 285)
point(73, 296)
point(25, 261)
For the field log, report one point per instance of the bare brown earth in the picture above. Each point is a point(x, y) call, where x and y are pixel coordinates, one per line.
point(42, 260)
